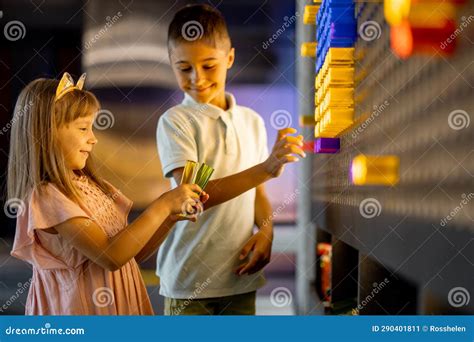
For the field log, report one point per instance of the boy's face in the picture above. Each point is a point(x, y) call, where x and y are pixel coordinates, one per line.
point(201, 70)
point(76, 140)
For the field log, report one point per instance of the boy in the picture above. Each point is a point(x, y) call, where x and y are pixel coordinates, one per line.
point(214, 266)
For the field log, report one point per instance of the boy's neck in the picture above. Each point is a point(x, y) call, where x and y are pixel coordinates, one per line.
point(220, 101)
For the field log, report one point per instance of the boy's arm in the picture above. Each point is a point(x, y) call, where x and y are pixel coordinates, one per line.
point(285, 150)
point(224, 189)
point(260, 244)
point(263, 212)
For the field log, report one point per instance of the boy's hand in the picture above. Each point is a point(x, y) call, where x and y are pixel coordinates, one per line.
point(204, 197)
point(284, 151)
point(260, 244)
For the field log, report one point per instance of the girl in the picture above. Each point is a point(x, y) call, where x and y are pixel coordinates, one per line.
point(74, 228)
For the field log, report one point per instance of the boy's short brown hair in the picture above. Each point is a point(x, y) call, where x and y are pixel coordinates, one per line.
point(199, 22)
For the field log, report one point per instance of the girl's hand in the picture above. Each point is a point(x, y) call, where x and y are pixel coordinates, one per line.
point(182, 199)
point(181, 217)
point(285, 150)
point(197, 210)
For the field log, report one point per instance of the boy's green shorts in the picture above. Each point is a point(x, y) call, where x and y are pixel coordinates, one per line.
point(241, 304)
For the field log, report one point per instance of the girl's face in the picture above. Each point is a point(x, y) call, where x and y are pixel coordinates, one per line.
point(76, 140)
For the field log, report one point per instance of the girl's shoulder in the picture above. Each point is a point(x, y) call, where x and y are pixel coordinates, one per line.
point(46, 189)
point(45, 208)
point(46, 192)
point(47, 204)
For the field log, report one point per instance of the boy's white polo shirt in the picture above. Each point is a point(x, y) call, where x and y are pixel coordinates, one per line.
point(197, 259)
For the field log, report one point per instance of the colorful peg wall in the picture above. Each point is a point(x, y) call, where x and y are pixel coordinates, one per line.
point(393, 160)
point(390, 78)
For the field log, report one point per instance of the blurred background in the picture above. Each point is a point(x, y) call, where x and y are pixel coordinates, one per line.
point(402, 244)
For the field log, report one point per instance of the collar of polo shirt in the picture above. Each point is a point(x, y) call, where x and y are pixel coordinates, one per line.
point(209, 109)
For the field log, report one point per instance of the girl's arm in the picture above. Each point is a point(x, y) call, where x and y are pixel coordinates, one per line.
point(160, 235)
point(112, 253)
point(152, 245)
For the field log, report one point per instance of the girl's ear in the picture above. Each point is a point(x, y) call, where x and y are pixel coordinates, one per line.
point(231, 57)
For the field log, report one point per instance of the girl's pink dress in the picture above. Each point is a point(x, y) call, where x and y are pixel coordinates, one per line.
point(64, 281)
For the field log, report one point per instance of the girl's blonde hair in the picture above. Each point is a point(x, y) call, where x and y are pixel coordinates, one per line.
point(35, 158)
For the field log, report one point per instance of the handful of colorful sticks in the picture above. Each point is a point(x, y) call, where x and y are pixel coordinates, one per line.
point(193, 174)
